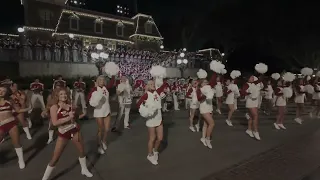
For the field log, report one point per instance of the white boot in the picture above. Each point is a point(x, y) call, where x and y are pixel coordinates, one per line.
point(19, 152)
point(50, 139)
point(47, 173)
point(84, 168)
point(26, 130)
point(29, 123)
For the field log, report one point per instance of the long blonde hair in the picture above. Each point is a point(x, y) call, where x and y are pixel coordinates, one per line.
point(55, 98)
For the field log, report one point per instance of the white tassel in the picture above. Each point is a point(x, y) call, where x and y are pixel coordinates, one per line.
point(235, 73)
point(261, 68)
point(275, 76)
point(306, 71)
point(202, 74)
point(95, 98)
point(111, 69)
point(287, 92)
point(288, 77)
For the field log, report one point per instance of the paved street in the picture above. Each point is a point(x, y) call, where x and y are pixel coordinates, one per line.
point(183, 155)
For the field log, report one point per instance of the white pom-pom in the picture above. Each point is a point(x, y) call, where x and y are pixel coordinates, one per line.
point(223, 71)
point(216, 66)
point(275, 76)
point(158, 71)
point(308, 78)
point(235, 73)
point(95, 98)
point(309, 89)
point(306, 71)
point(207, 91)
point(111, 68)
point(318, 74)
point(253, 90)
point(288, 77)
point(158, 82)
point(146, 110)
point(261, 68)
point(202, 74)
point(287, 92)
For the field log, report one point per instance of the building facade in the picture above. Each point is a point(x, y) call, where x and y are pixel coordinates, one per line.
point(47, 18)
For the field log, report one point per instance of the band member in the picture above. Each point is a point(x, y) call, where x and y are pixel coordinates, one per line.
point(251, 92)
point(154, 123)
point(194, 105)
point(139, 83)
point(62, 116)
point(168, 99)
point(232, 91)
point(188, 99)
point(175, 91)
point(37, 88)
point(79, 87)
point(299, 100)
point(8, 123)
point(281, 103)
point(19, 98)
point(62, 83)
point(99, 99)
point(206, 109)
point(124, 91)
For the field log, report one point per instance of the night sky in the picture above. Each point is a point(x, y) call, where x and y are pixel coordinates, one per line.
point(285, 34)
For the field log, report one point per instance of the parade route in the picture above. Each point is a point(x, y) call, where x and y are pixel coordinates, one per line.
point(183, 156)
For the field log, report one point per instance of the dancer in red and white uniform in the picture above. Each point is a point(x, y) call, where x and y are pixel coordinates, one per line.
point(19, 98)
point(8, 123)
point(205, 95)
point(151, 99)
point(168, 98)
point(175, 93)
point(124, 92)
point(281, 103)
point(232, 91)
point(188, 99)
point(62, 116)
point(194, 106)
point(37, 88)
point(79, 88)
point(219, 92)
point(299, 99)
point(99, 99)
point(251, 91)
point(59, 82)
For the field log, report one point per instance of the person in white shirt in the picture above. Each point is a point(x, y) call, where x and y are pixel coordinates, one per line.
point(124, 91)
point(232, 91)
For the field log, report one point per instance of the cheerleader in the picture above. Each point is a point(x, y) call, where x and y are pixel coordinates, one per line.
point(62, 116)
point(194, 105)
point(281, 104)
point(124, 91)
point(175, 91)
point(219, 93)
point(232, 91)
point(204, 96)
point(299, 100)
point(268, 95)
point(8, 123)
point(251, 92)
point(99, 99)
point(260, 86)
point(19, 98)
point(154, 121)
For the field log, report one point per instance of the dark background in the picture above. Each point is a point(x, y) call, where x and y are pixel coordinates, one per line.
point(281, 33)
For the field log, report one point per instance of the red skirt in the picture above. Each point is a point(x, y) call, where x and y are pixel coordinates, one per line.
point(7, 127)
point(69, 134)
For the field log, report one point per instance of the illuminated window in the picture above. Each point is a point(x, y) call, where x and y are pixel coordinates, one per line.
point(98, 24)
point(74, 22)
point(119, 29)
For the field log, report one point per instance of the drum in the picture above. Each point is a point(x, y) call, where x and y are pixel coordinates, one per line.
point(181, 95)
point(169, 98)
point(162, 95)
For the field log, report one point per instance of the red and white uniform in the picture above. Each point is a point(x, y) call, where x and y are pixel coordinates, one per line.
point(68, 130)
point(7, 124)
point(251, 92)
point(99, 99)
point(61, 83)
point(299, 94)
point(79, 93)
point(232, 92)
point(192, 96)
point(280, 99)
point(16, 98)
point(205, 103)
point(37, 89)
point(139, 84)
point(153, 97)
point(175, 92)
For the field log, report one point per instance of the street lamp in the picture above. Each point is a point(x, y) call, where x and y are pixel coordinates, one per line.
point(222, 54)
point(161, 47)
point(99, 47)
point(20, 30)
point(184, 49)
point(71, 36)
point(182, 54)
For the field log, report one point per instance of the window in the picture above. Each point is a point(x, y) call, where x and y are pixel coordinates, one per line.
point(98, 24)
point(74, 22)
point(119, 29)
point(46, 17)
point(148, 26)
